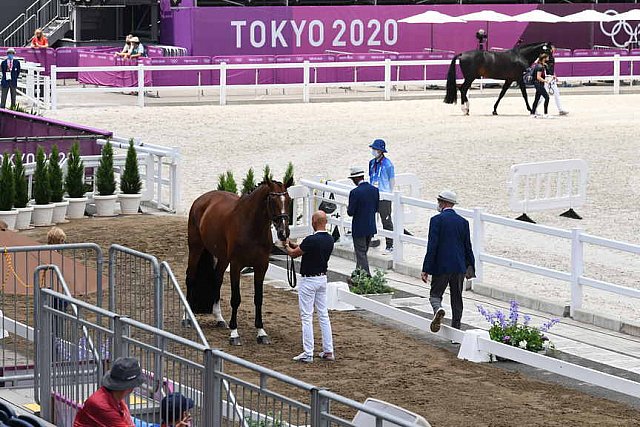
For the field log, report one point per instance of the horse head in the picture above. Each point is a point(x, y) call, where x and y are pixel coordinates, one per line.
point(531, 51)
point(279, 206)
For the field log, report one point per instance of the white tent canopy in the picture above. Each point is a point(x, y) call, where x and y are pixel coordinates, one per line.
point(590, 15)
point(486, 15)
point(537, 15)
point(631, 15)
point(431, 17)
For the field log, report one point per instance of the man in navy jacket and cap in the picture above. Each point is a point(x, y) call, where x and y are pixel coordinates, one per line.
point(364, 201)
point(10, 72)
point(449, 259)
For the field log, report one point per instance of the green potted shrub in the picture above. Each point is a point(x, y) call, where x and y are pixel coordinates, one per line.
point(374, 287)
point(57, 186)
point(130, 183)
point(74, 184)
point(7, 192)
point(226, 182)
point(23, 220)
point(248, 183)
point(43, 208)
point(106, 198)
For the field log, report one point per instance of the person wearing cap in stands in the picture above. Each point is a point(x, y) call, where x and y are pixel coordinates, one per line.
point(312, 289)
point(449, 259)
point(126, 48)
point(382, 176)
point(107, 406)
point(175, 410)
point(10, 72)
point(364, 201)
point(137, 49)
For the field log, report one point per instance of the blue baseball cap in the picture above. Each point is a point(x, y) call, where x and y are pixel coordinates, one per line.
point(173, 405)
point(379, 144)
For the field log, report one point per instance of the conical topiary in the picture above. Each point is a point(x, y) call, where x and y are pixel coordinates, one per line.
point(55, 175)
point(230, 182)
point(74, 181)
point(130, 182)
point(249, 182)
point(105, 180)
point(41, 187)
point(20, 182)
point(267, 175)
point(7, 186)
point(222, 182)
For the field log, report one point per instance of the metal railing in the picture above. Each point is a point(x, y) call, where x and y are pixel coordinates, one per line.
point(252, 395)
point(575, 275)
point(309, 70)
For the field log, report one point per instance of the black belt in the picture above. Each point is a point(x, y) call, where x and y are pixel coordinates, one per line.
point(314, 275)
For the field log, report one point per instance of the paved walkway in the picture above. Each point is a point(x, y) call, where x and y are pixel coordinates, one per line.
point(609, 351)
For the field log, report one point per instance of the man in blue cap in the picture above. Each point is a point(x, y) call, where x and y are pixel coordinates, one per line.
point(382, 176)
point(9, 75)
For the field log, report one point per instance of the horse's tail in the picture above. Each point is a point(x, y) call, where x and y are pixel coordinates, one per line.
point(200, 286)
point(452, 91)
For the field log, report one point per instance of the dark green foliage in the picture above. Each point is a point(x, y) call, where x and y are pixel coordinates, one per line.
point(20, 182)
point(20, 109)
point(288, 174)
point(130, 182)
point(363, 284)
point(222, 182)
point(7, 186)
point(267, 174)
point(41, 186)
point(226, 182)
point(249, 182)
point(55, 175)
point(74, 181)
point(105, 180)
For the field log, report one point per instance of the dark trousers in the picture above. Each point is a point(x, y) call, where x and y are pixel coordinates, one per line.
point(384, 209)
point(5, 92)
point(361, 247)
point(540, 92)
point(439, 285)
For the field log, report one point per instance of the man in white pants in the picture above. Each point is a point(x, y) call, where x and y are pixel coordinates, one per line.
point(312, 289)
point(552, 81)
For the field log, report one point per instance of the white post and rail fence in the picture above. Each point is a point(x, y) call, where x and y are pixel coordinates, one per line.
point(309, 74)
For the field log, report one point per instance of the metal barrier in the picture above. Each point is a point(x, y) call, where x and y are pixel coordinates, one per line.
point(560, 184)
point(252, 396)
point(80, 264)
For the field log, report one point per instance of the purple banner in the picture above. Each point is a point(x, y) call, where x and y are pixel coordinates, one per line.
point(213, 31)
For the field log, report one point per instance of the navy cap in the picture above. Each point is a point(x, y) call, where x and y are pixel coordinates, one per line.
point(173, 405)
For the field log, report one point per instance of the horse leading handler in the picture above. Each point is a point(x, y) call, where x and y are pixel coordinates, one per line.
point(449, 259)
point(312, 290)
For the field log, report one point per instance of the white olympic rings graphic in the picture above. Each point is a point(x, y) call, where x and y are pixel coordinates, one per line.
point(620, 26)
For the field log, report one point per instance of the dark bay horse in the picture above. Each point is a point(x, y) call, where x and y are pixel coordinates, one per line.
point(226, 229)
point(508, 65)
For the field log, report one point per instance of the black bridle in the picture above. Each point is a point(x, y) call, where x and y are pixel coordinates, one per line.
point(275, 219)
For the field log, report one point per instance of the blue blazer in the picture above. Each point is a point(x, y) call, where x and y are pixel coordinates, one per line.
point(449, 245)
point(15, 73)
point(363, 205)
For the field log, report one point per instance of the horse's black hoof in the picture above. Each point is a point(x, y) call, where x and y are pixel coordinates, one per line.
point(495, 113)
point(235, 341)
point(187, 323)
point(221, 324)
point(263, 340)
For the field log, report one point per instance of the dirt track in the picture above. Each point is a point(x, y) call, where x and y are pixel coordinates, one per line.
point(373, 360)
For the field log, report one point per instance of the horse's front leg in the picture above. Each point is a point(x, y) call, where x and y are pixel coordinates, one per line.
point(505, 87)
point(234, 337)
point(258, 283)
point(523, 89)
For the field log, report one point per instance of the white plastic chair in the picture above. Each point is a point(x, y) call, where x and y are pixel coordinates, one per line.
point(362, 419)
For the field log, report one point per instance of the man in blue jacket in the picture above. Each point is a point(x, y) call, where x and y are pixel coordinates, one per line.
point(364, 201)
point(10, 71)
point(449, 259)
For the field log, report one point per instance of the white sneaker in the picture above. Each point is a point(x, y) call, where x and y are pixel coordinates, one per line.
point(304, 358)
point(564, 112)
point(327, 356)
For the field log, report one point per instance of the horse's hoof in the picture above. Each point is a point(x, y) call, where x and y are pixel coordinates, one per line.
point(235, 341)
point(495, 113)
point(187, 323)
point(221, 324)
point(263, 340)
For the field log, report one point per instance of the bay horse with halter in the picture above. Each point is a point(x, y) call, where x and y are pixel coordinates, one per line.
point(508, 65)
point(225, 229)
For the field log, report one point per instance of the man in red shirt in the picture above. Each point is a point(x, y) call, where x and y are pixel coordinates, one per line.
point(39, 40)
point(107, 407)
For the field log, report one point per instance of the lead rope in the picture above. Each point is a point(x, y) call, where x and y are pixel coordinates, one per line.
point(291, 272)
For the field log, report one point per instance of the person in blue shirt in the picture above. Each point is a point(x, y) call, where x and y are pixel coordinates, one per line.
point(364, 201)
point(10, 73)
point(382, 176)
point(449, 259)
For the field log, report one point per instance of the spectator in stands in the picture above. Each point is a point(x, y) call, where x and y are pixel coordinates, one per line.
point(383, 177)
point(107, 406)
point(137, 49)
point(449, 259)
point(10, 73)
point(312, 289)
point(364, 201)
point(539, 80)
point(56, 236)
point(126, 49)
point(39, 40)
point(175, 410)
point(552, 81)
